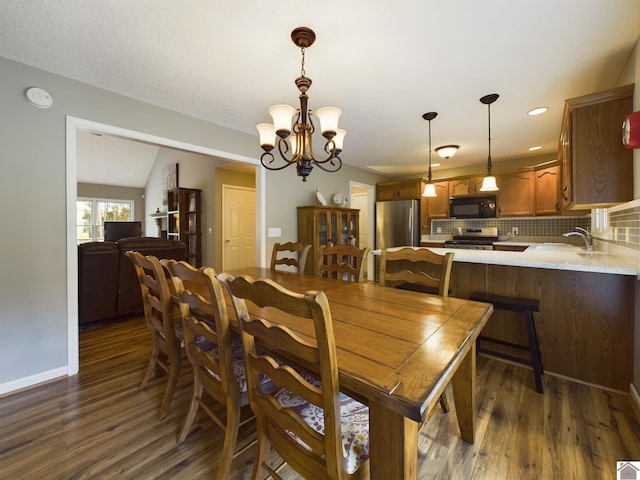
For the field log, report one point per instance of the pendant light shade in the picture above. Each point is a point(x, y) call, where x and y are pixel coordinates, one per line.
point(429, 188)
point(489, 182)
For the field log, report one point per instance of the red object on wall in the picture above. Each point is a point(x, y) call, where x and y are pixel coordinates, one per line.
point(631, 131)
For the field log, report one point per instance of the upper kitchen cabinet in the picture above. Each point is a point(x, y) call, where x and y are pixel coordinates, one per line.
point(400, 190)
point(516, 194)
point(597, 170)
point(547, 190)
point(438, 206)
point(461, 187)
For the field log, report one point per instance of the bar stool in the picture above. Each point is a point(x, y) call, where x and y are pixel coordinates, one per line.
point(522, 305)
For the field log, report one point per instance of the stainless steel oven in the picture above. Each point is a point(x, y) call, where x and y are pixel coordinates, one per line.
point(473, 238)
point(473, 207)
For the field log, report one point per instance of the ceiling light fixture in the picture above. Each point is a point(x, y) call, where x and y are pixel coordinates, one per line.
point(300, 143)
point(447, 151)
point(429, 188)
point(489, 182)
point(537, 111)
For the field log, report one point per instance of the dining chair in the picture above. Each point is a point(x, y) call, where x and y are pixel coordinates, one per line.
point(300, 262)
point(215, 354)
point(345, 262)
point(162, 321)
point(419, 270)
point(318, 431)
point(416, 269)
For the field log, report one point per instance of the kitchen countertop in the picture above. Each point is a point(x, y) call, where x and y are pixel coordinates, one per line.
point(557, 256)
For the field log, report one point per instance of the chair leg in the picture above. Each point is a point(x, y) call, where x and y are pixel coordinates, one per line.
point(444, 402)
point(172, 382)
point(535, 351)
point(153, 360)
point(230, 439)
point(264, 447)
point(193, 409)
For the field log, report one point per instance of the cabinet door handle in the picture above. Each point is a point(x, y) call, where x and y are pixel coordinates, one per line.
point(564, 193)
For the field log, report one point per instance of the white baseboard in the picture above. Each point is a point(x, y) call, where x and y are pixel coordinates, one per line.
point(26, 382)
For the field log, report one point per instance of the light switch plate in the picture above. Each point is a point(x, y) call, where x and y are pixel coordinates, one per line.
point(275, 232)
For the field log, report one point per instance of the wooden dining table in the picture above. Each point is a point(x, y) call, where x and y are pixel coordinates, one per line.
point(397, 351)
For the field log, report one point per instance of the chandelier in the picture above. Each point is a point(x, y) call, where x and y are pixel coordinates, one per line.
point(295, 145)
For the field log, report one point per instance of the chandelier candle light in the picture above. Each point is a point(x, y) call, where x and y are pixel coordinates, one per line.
point(297, 148)
point(489, 182)
point(429, 188)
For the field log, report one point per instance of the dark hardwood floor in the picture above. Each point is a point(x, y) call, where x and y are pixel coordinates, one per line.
point(99, 425)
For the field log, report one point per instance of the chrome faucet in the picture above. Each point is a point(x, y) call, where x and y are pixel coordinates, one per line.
point(584, 234)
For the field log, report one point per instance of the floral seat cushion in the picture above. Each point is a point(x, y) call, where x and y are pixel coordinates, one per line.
point(237, 358)
point(354, 421)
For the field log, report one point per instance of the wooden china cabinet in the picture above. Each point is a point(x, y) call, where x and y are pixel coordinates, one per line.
point(320, 226)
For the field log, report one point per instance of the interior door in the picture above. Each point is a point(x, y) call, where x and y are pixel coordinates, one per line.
point(238, 227)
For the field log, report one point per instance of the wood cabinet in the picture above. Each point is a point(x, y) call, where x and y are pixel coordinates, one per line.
point(516, 194)
point(184, 221)
point(547, 190)
point(461, 187)
point(585, 323)
point(400, 190)
point(597, 169)
point(438, 207)
point(321, 226)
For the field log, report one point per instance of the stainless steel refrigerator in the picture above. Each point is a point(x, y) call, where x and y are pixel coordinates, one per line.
point(397, 223)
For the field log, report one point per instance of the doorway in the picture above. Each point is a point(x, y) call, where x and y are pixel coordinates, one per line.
point(362, 197)
point(73, 126)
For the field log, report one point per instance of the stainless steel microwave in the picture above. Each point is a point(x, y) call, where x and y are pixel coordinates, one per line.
point(473, 207)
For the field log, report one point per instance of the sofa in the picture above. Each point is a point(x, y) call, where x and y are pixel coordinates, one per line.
point(107, 282)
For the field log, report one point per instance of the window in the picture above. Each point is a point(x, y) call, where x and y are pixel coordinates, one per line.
point(91, 213)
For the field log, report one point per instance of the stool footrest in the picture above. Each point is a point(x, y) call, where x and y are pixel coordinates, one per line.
point(505, 356)
point(526, 348)
point(515, 304)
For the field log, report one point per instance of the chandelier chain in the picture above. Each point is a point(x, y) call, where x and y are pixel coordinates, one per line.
point(302, 72)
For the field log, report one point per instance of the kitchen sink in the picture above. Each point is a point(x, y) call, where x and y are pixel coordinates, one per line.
point(556, 247)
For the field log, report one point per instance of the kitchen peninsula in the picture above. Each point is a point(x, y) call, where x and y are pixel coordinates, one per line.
point(585, 324)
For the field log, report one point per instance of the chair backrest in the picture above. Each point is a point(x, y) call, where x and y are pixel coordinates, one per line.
point(300, 249)
point(156, 296)
point(204, 316)
point(344, 262)
point(421, 267)
point(277, 346)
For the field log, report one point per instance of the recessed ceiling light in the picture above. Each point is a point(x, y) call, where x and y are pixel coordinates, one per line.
point(537, 111)
point(537, 147)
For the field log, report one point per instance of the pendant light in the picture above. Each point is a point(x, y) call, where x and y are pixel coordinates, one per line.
point(429, 188)
point(489, 182)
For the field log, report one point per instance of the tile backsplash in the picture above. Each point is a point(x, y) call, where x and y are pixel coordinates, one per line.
point(527, 226)
point(624, 225)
